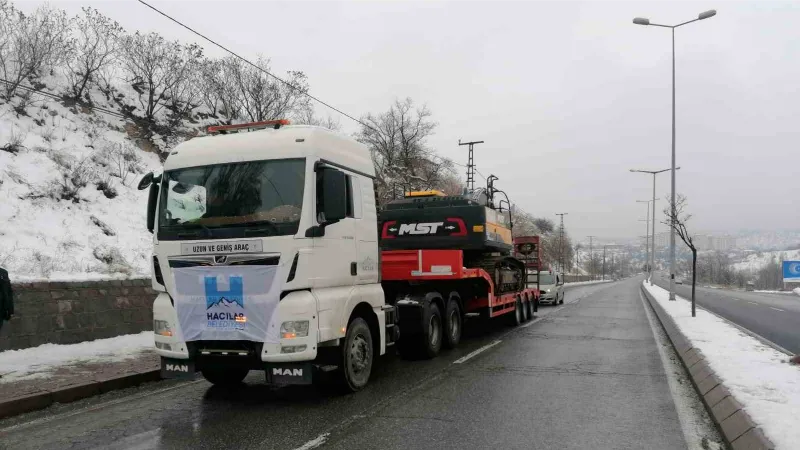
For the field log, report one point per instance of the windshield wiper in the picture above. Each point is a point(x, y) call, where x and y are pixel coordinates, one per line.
point(195, 225)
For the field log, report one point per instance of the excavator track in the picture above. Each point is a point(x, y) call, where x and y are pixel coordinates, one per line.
point(508, 274)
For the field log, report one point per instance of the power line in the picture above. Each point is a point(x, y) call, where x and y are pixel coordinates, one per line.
point(290, 85)
point(56, 97)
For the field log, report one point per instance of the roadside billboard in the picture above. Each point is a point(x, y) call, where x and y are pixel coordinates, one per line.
point(791, 271)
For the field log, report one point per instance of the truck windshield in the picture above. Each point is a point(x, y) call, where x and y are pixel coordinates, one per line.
point(256, 198)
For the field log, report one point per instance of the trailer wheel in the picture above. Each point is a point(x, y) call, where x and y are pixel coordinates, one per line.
point(516, 318)
point(452, 324)
point(356, 356)
point(526, 313)
point(224, 377)
point(531, 308)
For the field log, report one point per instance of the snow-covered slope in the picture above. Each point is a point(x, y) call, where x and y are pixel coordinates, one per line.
point(52, 227)
point(756, 261)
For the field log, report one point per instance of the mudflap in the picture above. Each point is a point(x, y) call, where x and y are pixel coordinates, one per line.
point(289, 373)
point(177, 368)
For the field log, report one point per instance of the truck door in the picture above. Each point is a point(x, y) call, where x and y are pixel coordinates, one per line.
point(335, 263)
point(366, 232)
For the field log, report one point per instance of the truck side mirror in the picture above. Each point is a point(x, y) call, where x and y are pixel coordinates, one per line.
point(146, 181)
point(333, 197)
point(152, 200)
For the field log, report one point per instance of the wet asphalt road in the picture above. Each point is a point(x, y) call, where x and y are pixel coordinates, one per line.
point(774, 316)
point(585, 375)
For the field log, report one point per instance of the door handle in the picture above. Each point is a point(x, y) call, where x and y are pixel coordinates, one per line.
point(353, 268)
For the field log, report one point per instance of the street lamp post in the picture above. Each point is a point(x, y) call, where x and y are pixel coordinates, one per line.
point(647, 234)
point(653, 234)
point(644, 21)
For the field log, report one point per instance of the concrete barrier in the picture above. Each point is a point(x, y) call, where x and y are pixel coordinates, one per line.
point(733, 422)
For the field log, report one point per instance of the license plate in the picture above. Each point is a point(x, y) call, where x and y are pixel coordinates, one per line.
point(177, 368)
point(222, 247)
point(289, 373)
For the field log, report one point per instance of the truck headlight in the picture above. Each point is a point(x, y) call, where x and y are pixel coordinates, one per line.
point(294, 329)
point(162, 328)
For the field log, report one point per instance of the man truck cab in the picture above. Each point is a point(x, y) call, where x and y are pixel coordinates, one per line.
point(265, 251)
point(551, 285)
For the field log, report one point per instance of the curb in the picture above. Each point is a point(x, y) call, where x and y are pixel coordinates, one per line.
point(41, 400)
point(732, 421)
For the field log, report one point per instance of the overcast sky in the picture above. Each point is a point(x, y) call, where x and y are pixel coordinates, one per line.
point(567, 95)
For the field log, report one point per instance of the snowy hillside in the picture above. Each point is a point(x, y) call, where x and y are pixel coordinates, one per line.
point(756, 261)
point(66, 210)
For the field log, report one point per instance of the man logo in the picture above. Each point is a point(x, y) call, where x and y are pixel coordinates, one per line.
point(177, 368)
point(419, 228)
point(287, 372)
point(220, 259)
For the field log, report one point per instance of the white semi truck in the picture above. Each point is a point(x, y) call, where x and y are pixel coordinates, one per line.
point(266, 256)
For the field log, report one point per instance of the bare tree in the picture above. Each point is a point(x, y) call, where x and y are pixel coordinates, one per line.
point(262, 97)
point(31, 45)
point(676, 218)
point(210, 84)
point(96, 45)
point(308, 117)
point(451, 185)
point(157, 68)
point(397, 141)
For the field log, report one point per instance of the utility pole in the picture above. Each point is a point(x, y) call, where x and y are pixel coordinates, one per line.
point(591, 256)
point(561, 242)
point(470, 164)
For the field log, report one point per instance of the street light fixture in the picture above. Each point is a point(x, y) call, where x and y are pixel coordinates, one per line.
point(644, 21)
point(653, 241)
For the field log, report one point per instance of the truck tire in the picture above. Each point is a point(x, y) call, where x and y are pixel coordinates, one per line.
point(356, 356)
point(224, 377)
point(526, 314)
point(531, 307)
point(427, 344)
point(453, 322)
point(515, 319)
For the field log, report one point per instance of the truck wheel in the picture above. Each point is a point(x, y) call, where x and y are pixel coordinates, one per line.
point(356, 357)
point(526, 314)
point(433, 336)
point(224, 377)
point(531, 308)
point(452, 324)
point(516, 318)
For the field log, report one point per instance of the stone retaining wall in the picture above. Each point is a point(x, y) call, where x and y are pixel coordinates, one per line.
point(70, 312)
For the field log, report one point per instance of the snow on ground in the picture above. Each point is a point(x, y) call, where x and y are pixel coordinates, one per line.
point(41, 361)
point(47, 237)
point(774, 292)
point(757, 375)
point(756, 261)
point(796, 291)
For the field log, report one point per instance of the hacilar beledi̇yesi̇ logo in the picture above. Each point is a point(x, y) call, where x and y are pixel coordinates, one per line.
point(225, 309)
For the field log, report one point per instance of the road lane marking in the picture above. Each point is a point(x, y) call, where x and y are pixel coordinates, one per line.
point(476, 352)
point(314, 443)
point(695, 425)
point(777, 309)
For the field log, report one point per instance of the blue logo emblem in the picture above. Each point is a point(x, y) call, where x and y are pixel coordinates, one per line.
point(215, 297)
